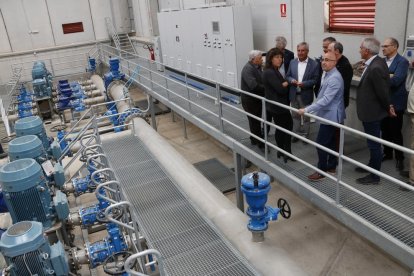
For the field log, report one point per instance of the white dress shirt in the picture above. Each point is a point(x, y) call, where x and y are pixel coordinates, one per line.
point(302, 69)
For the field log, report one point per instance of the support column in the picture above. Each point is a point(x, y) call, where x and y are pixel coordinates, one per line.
point(238, 171)
point(152, 109)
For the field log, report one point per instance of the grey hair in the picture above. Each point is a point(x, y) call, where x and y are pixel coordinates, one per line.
point(254, 53)
point(304, 44)
point(281, 41)
point(372, 45)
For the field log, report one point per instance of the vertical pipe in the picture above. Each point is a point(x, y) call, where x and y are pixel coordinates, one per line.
point(220, 110)
point(93, 25)
point(50, 22)
point(188, 91)
point(340, 165)
point(185, 128)
point(406, 21)
point(238, 176)
point(264, 126)
point(153, 122)
point(5, 28)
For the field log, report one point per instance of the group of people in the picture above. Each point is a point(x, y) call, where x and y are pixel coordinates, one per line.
point(321, 87)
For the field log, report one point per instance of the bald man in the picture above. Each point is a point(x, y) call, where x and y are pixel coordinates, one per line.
point(330, 106)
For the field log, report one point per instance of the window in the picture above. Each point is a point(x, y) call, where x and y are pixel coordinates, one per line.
point(70, 28)
point(351, 16)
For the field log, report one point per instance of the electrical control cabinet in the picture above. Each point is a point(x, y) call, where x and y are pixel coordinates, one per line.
point(212, 43)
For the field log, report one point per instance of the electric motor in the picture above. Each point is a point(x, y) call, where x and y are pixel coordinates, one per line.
point(28, 252)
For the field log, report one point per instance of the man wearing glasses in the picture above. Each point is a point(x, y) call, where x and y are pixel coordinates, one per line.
point(330, 106)
point(373, 103)
point(391, 126)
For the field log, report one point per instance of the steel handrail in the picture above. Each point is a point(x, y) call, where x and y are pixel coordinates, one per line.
point(156, 253)
point(111, 219)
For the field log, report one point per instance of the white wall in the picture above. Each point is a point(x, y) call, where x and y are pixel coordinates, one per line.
point(37, 24)
point(120, 12)
point(27, 24)
point(99, 10)
point(63, 12)
point(4, 40)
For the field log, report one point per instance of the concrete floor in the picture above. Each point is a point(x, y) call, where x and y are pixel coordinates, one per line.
point(318, 243)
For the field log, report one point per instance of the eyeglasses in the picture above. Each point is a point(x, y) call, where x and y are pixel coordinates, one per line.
point(385, 46)
point(327, 59)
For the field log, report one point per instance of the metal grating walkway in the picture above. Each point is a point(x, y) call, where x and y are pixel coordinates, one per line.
point(218, 174)
point(190, 244)
point(355, 148)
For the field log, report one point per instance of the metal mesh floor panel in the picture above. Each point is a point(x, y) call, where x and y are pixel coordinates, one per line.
point(189, 243)
point(218, 174)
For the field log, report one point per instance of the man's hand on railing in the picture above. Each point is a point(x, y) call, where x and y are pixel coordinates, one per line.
point(301, 111)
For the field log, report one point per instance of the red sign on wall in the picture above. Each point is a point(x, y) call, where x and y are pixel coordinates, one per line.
point(282, 10)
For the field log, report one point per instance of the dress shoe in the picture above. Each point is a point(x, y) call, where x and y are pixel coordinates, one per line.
point(399, 165)
point(3, 155)
point(361, 170)
point(404, 189)
point(280, 154)
point(290, 158)
point(295, 140)
point(368, 180)
point(386, 157)
point(405, 174)
point(315, 177)
point(331, 171)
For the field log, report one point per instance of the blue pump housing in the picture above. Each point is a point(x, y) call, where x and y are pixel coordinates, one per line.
point(114, 73)
point(101, 250)
point(25, 247)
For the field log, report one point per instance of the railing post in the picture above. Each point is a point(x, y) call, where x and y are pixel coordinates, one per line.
point(153, 121)
point(185, 128)
point(238, 176)
point(340, 165)
point(188, 91)
point(264, 116)
point(220, 108)
point(166, 88)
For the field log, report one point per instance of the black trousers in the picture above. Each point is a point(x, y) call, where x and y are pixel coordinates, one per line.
point(391, 132)
point(254, 107)
point(283, 139)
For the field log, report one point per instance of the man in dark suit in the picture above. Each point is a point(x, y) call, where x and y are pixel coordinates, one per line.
point(373, 103)
point(344, 67)
point(302, 77)
point(281, 43)
point(391, 126)
point(325, 44)
point(251, 81)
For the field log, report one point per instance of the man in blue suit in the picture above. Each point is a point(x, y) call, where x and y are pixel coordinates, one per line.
point(329, 105)
point(302, 77)
point(391, 126)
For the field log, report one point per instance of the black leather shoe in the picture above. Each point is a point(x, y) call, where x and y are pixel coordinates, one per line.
point(405, 174)
point(361, 170)
point(404, 189)
point(295, 140)
point(399, 165)
point(368, 180)
point(386, 157)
